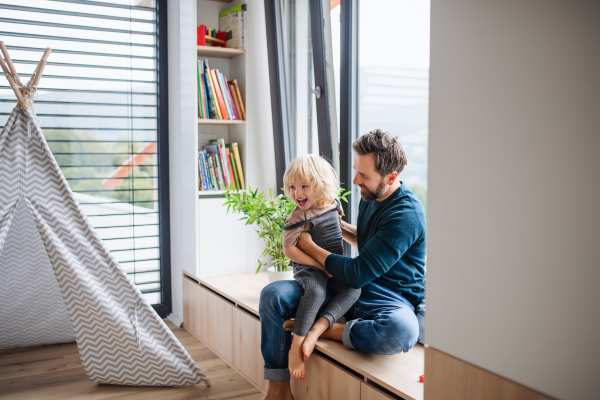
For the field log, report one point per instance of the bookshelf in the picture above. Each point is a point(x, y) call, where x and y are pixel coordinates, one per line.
point(223, 240)
point(221, 52)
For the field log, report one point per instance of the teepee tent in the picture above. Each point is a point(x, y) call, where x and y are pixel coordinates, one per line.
point(59, 282)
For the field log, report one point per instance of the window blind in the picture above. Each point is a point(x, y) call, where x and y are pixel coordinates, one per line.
point(97, 103)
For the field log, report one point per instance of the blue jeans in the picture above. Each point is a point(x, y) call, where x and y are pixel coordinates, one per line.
point(381, 321)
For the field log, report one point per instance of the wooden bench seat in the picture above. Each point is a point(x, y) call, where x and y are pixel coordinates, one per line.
point(375, 376)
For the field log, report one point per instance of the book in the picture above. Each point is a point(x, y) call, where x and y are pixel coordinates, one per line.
point(204, 93)
point(233, 100)
point(200, 93)
point(212, 91)
point(239, 96)
point(238, 163)
point(220, 143)
point(231, 174)
point(209, 98)
point(207, 170)
point(212, 173)
point(228, 104)
point(222, 107)
point(213, 150)
point(235, 175)
point(230, 21)
point(203, 180)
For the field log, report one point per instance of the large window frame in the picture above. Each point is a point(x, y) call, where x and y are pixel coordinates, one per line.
point(161, 187)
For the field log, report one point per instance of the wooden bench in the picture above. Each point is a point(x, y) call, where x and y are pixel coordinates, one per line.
point(222, 312)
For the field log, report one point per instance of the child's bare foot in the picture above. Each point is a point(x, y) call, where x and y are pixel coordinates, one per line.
point(296, 362)
point(288, 325)
point(313, 335)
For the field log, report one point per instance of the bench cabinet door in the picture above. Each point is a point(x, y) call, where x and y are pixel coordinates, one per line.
point(370, 393)
point(325, 381)
point(247, 356)
point(217, 323)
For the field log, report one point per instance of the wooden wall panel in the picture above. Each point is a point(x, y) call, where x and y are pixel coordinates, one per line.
point(325, 381)
point(247, 356)
point(370, 393)
point(449, 378)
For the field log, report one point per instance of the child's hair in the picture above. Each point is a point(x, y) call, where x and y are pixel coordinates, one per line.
point(317, 171)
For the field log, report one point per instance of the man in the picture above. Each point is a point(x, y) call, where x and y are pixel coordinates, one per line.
point(390, 268)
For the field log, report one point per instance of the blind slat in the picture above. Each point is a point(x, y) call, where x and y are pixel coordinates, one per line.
point(98, 107)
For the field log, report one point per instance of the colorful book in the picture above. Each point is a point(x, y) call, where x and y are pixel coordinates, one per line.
point(213, 150)
point(220, 143)
point(203, 180)
point(225, 92)
point(212, 90)
point(204, 93)
point(229, 97)
point(239, 96)
point(238, 164)
point(209, 98)
point(200, 93)
point(231, 174)
point(235, 175)
point(221, 101)
point(215, 185)
point(207, 170)
point(236, 108)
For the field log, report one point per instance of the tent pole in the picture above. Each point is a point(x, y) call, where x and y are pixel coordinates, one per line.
point(13, 84)
point(39, 70)
point(11, 66)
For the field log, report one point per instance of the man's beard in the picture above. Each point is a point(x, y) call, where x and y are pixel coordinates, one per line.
point(374, 195)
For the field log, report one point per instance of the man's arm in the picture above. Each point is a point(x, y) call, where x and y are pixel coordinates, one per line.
point(378, 255)
point(349, 233)
point(309, 247)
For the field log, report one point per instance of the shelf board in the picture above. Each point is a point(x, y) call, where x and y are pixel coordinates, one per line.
point(212, 193)
point(221, 121)
point(223, 52)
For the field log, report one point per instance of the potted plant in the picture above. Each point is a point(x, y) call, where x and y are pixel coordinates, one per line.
point(268, 216)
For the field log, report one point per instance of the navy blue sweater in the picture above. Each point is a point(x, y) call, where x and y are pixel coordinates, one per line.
point(391, 247)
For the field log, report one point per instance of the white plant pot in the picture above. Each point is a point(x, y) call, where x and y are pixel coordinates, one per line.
point(275, 276)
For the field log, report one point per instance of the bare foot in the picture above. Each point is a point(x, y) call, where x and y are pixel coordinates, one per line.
point(279, 390)
point(336, 332)
point(311, 338)
point(288, 325)
point(295, 360)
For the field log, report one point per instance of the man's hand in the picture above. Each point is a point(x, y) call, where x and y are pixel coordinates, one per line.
point(304, 241)
point(306, 244)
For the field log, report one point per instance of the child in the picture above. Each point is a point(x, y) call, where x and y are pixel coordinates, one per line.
point(311, 182)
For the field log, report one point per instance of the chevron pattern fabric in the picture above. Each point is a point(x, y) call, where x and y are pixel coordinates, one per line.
point(120, 337)
point(33, 311)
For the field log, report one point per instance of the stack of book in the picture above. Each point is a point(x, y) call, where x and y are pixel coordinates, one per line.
point(233, 22)
point(220, 167)
point(217, 97)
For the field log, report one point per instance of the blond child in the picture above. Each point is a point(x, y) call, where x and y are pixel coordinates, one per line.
point(311, 183)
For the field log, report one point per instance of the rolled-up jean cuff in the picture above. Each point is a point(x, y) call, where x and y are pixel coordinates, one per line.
point(277, 374)
point(346, 336)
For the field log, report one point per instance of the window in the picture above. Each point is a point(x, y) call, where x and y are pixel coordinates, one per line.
point(393, 79)
point(98, 106)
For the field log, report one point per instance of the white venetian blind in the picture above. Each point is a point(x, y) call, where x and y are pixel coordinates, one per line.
point(97, 103)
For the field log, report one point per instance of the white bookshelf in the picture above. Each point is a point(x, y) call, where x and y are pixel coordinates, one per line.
point(222, 238)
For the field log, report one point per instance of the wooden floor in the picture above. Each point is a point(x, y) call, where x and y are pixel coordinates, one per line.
point(56, 372)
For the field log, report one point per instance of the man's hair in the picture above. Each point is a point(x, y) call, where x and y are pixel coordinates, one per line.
point(386, 149)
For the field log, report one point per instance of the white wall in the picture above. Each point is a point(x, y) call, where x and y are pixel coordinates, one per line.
point(183, 128)
point(514, 190)
point(183, 125)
